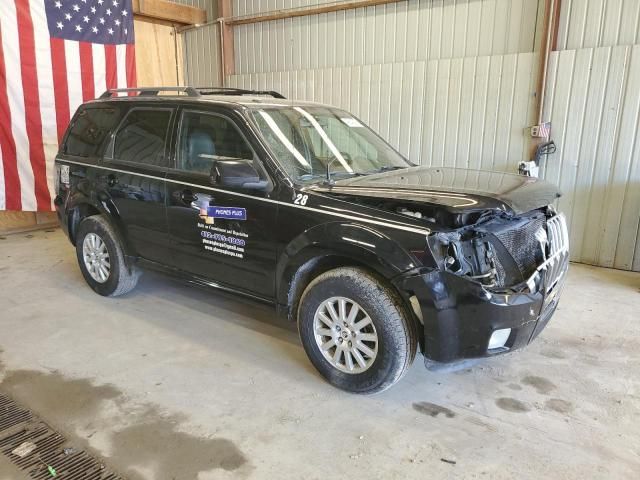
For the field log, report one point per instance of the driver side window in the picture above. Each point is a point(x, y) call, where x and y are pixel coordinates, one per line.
point(206, 138)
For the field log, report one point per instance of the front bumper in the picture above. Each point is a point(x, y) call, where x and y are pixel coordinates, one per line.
point(460, 315)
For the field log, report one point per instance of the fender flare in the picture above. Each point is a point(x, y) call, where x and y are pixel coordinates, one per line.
point(356, 242)
point(78, 200)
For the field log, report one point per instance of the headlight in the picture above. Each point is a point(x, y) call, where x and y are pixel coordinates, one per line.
point(469, 256)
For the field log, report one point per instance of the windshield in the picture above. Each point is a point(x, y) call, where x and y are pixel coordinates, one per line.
point(305, 140)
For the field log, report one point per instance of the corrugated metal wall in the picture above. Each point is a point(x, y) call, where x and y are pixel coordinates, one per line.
point(254, 7)
point(201, 56)
point(466, 112)
point(396, 32)
point(209, 5)
point(593, 103)
point(594, 107)
point(598, 23)
point(447, 82)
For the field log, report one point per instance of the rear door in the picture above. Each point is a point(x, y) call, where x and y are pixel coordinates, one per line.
point(223, 234)
point(136, 163)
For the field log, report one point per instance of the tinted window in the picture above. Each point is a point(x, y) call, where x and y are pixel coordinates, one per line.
point(141, 137)
point(205, 138)
point(90, 130)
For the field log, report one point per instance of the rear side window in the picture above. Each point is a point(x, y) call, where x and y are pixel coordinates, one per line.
point(90, 130)
point(141, 137)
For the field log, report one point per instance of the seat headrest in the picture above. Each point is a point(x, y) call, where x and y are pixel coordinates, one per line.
point(199, 142)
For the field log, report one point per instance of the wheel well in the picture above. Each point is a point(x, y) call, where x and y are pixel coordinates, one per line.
point(78, 214)
point(307, 272)
point(321, 264)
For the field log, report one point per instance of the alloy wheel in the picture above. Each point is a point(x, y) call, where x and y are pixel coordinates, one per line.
point(345, 335)
point(96, 257)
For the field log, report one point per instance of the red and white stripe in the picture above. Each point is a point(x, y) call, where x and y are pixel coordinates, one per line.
point(43, 80)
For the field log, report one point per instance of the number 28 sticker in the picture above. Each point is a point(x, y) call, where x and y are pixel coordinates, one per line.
point(300, 199)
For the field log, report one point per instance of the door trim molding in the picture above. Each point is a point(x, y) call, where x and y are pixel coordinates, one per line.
point(407, 228)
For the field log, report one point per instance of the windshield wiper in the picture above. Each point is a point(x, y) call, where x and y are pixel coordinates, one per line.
point(329, 180)
point(387, 168)
point(313, 176)
point(329, 177)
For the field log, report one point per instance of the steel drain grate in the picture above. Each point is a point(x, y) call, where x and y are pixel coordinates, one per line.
point(40, 451)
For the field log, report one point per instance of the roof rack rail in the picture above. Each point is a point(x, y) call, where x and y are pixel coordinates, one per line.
point(151, 91)
point(236, 91)
point(190, 91)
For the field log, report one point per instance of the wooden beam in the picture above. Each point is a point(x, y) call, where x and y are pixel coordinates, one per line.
point(173, 12)
point(303, 12)
point(226, 39)
point(158, 52)
point(15, 222)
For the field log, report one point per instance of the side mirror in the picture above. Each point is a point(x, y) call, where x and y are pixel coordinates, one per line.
point(237, 173)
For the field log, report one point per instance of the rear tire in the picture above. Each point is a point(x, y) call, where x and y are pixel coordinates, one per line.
point(102, 260)
point(365, 350)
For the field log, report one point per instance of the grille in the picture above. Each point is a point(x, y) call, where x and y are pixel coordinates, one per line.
point(555, 266)
point(40, 451)
point(524, 243)
point(558, 234)
point(521, 243)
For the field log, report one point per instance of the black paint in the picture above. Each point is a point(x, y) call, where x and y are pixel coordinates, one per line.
point(155, 207)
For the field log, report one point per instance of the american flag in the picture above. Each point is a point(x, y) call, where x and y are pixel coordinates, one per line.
point(541, 131)
point(545, 130)
point(54, 55)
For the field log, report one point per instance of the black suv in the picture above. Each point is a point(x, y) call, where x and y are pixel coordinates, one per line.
point(303, 206)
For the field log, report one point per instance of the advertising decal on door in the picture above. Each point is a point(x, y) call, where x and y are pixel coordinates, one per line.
point(223, 239)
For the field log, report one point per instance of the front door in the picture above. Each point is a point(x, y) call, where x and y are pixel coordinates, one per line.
point(223, 234)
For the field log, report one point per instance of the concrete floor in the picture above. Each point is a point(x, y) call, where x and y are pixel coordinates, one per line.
point(175, 382)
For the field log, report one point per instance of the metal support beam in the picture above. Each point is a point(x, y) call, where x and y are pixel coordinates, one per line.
point(306, 11)
point(549, 39)
point(226, 39)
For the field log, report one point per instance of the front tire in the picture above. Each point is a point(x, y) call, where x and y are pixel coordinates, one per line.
point(101, 258)
point(356, 331)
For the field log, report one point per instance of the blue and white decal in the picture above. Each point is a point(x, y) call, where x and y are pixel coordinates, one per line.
point(210, 212)
point(228, 213)
point(227, 240)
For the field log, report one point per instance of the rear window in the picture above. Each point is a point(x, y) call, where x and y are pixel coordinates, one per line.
point(142, 136)
point(90, 130)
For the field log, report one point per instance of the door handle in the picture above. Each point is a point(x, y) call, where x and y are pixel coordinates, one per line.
point(112, 180)
point(187, 196)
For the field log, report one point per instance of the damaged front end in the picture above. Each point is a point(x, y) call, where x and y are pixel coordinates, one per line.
point(489, 287)
point(503, 252)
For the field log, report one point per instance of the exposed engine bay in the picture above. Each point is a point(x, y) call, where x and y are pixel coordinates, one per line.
point(497, 249)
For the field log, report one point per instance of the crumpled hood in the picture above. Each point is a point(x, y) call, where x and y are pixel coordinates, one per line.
point(456, 189)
